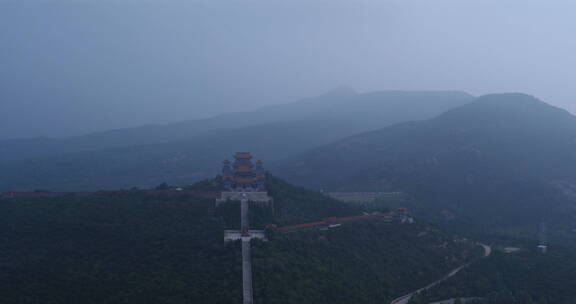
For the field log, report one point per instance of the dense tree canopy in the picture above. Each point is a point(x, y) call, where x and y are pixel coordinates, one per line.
point(151, 247)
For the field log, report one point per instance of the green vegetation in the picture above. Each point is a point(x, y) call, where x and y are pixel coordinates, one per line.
point(127, 248)
point(296, 205)
point(150, 247)
point(363, 262)
point(521, 277)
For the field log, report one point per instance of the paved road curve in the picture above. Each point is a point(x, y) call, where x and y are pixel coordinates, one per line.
point(406, 298)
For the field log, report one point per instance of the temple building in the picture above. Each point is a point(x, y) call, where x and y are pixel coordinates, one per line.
point(243, 175)
point(243, 178)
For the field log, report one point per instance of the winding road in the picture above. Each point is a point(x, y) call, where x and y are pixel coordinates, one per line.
point(406, 298)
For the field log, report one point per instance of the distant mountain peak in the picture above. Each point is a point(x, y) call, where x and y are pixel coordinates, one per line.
point(508, 105)
point(340, 92)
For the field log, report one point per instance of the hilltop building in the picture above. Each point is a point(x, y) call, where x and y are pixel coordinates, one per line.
point(243, 175)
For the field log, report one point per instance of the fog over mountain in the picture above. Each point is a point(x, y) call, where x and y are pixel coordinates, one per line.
point(74, 67)
point(188, 151)
point(503, 159)
point(287, 151)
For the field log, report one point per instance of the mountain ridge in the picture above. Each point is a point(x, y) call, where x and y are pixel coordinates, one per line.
point(291, 131)
point(484, 156)
point(321, 107)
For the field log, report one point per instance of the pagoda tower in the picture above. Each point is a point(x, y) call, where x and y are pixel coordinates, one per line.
point(243, 175)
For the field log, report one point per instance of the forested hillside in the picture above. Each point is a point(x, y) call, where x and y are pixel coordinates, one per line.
point(504, 160)
point(524, 276)
point(141, 247)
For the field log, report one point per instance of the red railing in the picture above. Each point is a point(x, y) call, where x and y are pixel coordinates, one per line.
point(334, 220)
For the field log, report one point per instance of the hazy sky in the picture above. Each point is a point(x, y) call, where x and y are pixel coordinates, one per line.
point(75, 66)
